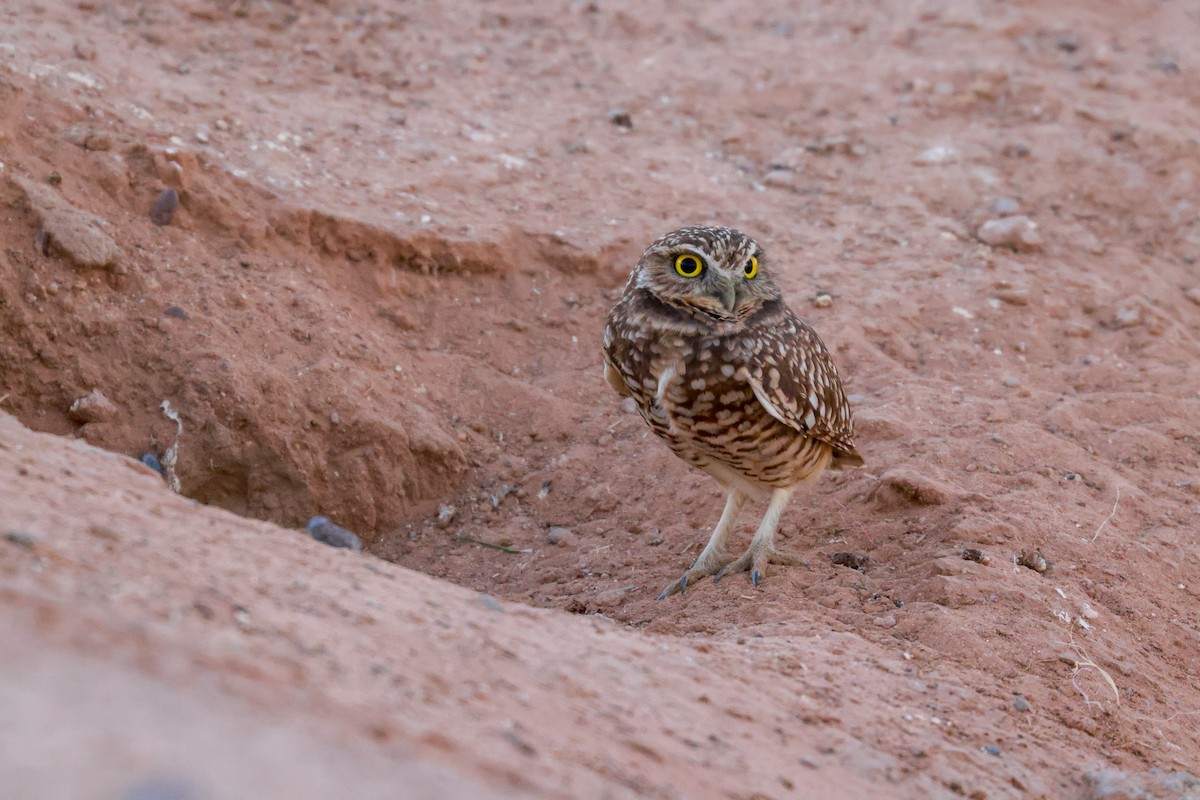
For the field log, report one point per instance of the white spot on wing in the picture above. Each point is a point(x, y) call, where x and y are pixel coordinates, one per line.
point(663, 380)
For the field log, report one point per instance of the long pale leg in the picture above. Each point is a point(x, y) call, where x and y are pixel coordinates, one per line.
point(709, 560)
point(762, 547)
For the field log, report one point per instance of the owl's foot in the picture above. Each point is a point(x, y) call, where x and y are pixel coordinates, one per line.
point(755, 561)
point(699, 570)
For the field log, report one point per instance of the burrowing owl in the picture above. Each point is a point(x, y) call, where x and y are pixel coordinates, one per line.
point(737, 385)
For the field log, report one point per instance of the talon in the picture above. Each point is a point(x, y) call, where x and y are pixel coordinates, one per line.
point(720, 574)
point(754, 577)
point(683, 585)
point(664, 593)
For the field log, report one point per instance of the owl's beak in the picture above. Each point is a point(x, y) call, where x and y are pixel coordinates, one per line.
point(727, 294)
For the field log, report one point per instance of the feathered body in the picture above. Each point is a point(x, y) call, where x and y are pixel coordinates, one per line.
point(722, 370)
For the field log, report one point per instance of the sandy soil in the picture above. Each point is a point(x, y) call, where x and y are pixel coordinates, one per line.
point(380, 299)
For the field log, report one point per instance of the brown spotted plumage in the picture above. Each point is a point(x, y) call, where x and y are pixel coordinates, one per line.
point(734, 382)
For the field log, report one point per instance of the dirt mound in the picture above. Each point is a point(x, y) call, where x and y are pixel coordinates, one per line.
point(353, 260)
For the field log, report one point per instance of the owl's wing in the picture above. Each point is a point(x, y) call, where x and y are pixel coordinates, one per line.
point(614, 378)
point(795, 380)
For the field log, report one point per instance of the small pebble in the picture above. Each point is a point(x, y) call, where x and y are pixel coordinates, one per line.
point(1012, 381)
point(446, 515)
point(621, 118)
point(938, 154)
point(1020, 703)
point(1034, 560)
point(164, 208)
point(92, 407)
point(629, 405)
point(21, 538)
point(886, 621)
point(851, 560)
point(1127, 317)
point(151, 461)
point(489, 601)
point(1017, 233)
point(559, 535)
point(175, 312)
point(992, 749)
point(333, 535)
point(823, 300)
point(973, 554)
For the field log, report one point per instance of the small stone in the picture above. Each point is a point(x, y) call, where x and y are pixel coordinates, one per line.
point(976, 555)
point(1127, 317)
point(621, 118)
point(780, 178)
point(1020, 703)
point(446, 515)
point(67, 230)
point(1017, 233)
point(164, 207)
point(489, 601)
point(992, 750)
point(1012, 381)
point(333, 535)
point(93, 407)
point(629, 405)
point(886, 621)
point(175, 312)
point(1004, 206)
point(938, 154)
point(851, 560)
point(99, 142)
point(823, 300)
point(1034, 560)
point(151, 461)
point(1014, 297)
point(610, 599)
point(21, 538)
point(560, 535)
point(84, 51)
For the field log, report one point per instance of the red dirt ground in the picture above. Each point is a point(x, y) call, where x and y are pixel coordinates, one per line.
point(381, 300)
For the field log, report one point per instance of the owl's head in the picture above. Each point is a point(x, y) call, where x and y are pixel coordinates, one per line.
point(713, 274)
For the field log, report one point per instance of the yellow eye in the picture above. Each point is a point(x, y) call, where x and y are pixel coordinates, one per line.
point(688, 265)
point(751, 268)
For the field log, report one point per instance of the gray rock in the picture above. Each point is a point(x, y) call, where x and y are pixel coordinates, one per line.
point(333, 535)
